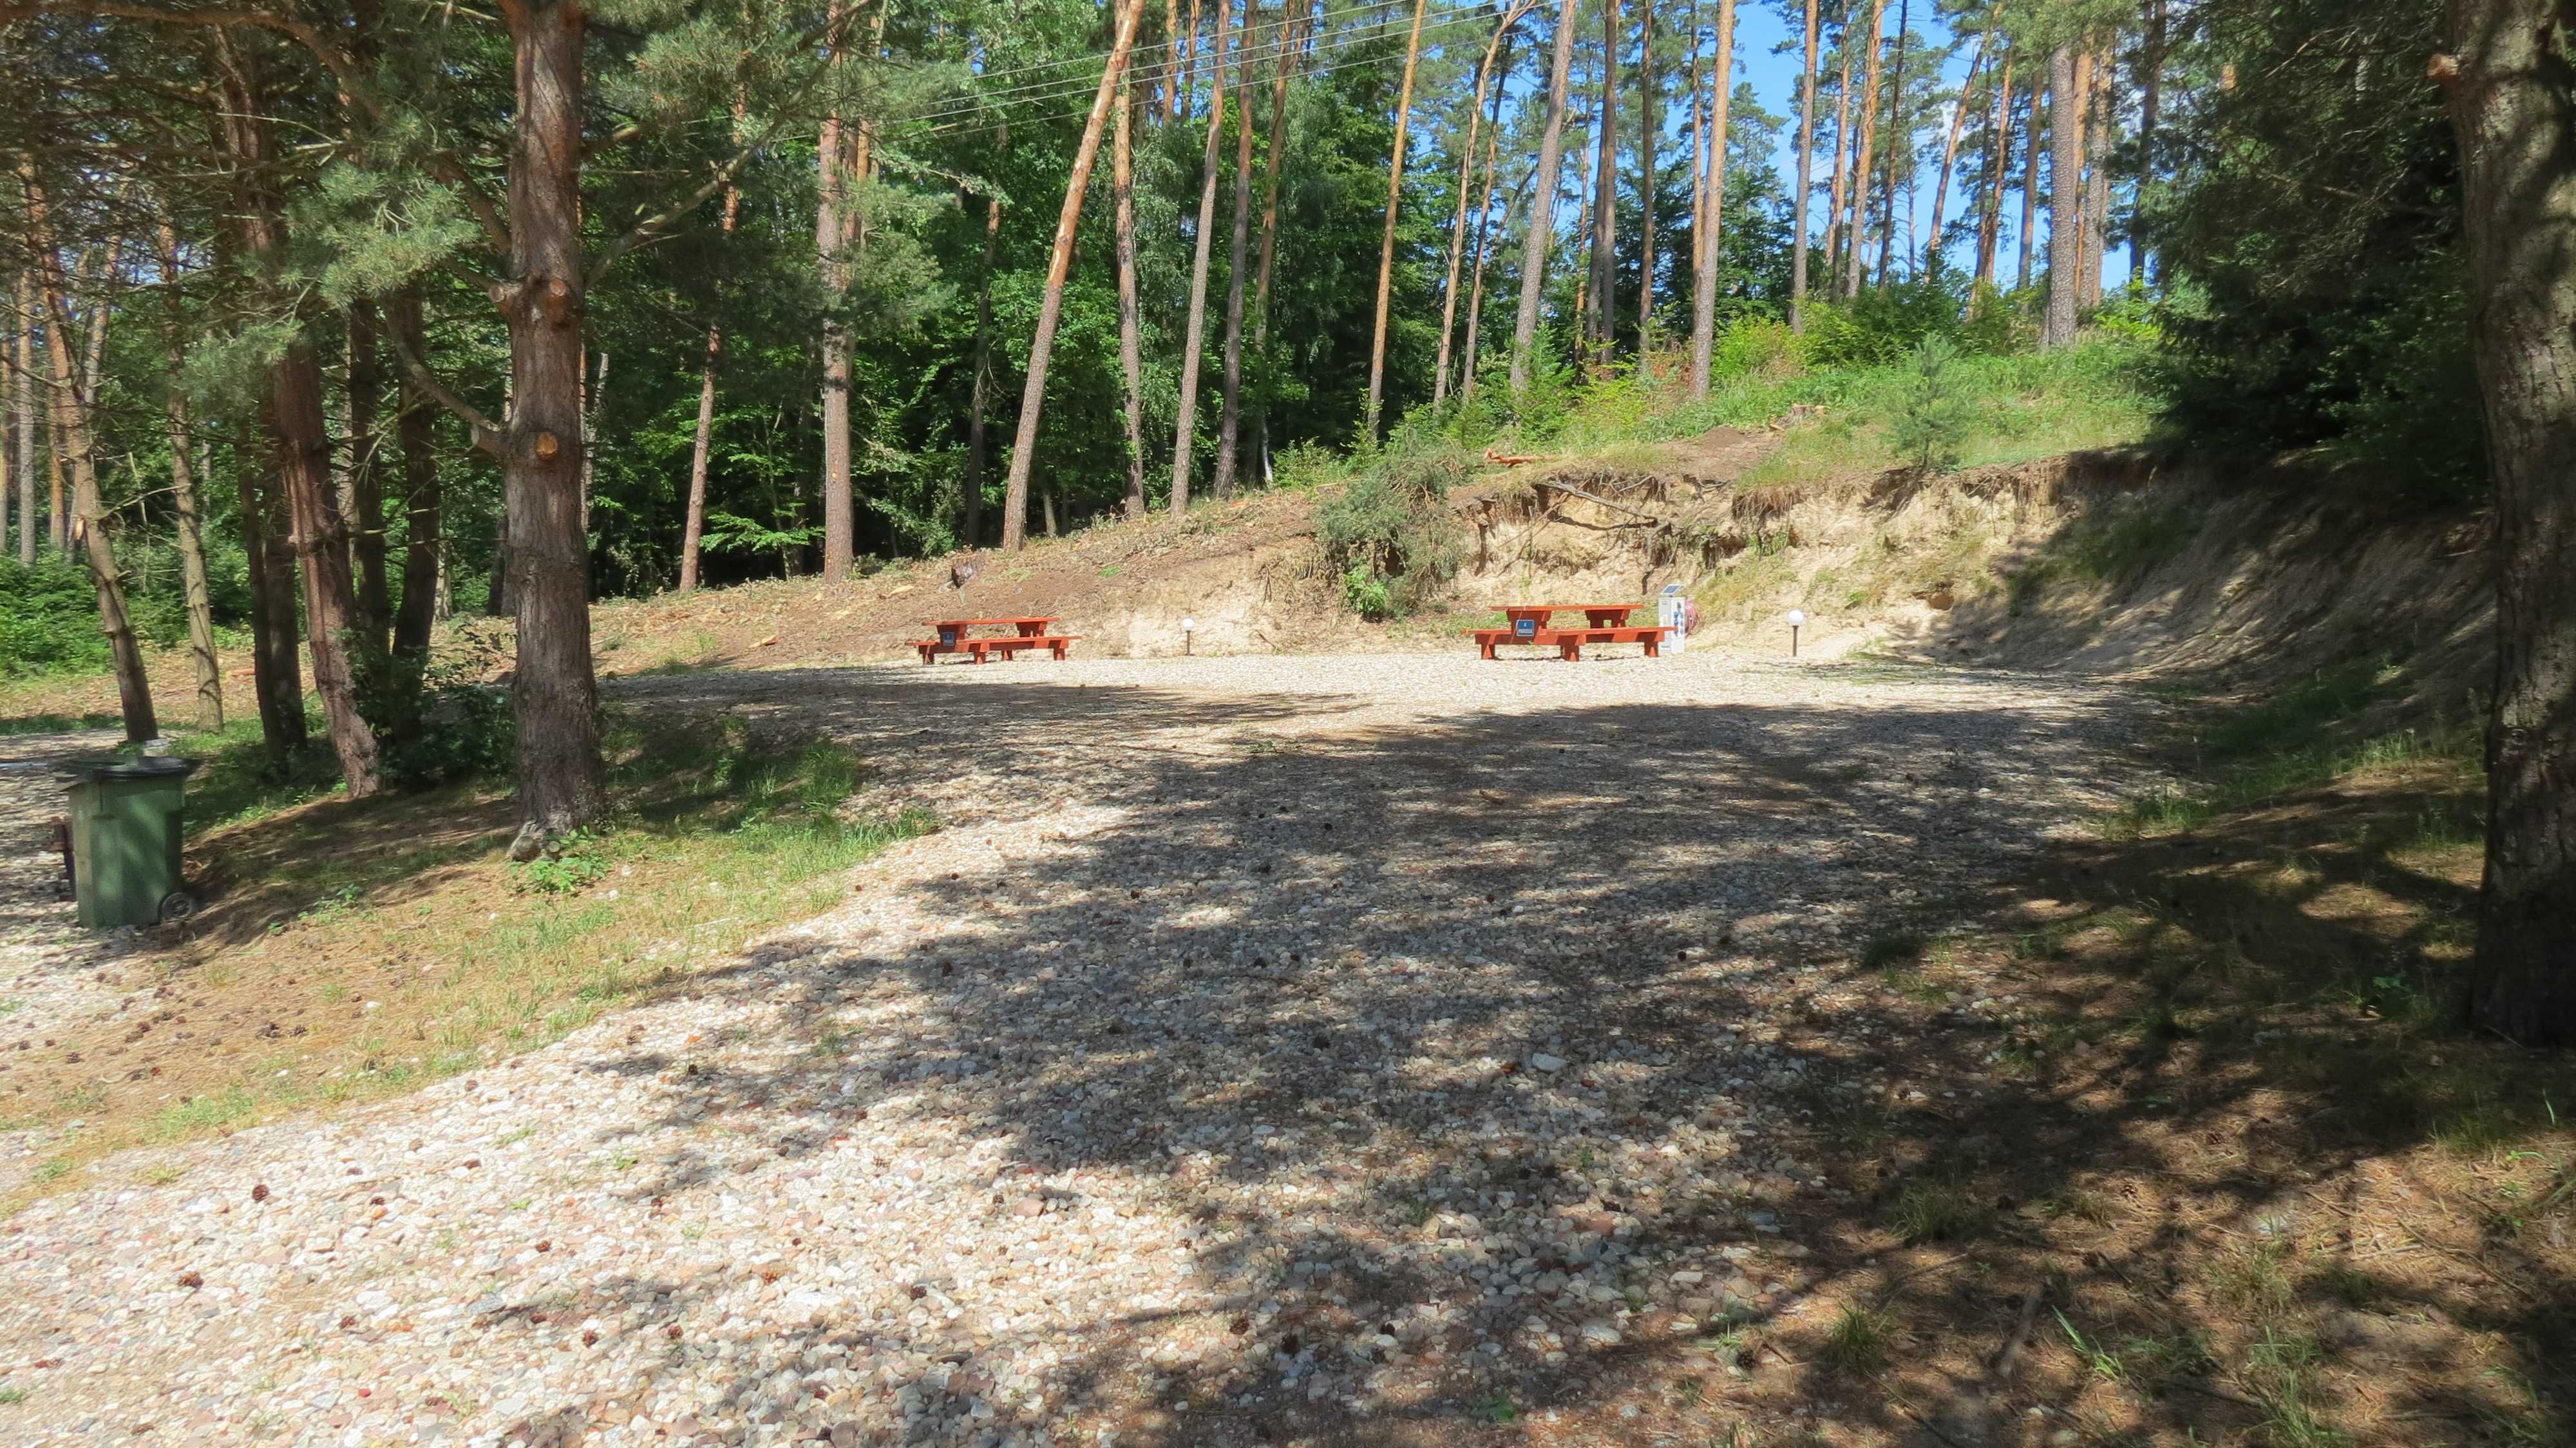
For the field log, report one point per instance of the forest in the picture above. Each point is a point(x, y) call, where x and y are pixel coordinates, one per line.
point(328, 324)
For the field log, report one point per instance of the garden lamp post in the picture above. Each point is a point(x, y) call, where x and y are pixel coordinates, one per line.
point(1797, 619)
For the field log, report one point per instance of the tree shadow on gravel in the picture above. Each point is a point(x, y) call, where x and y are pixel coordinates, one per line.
point(1594, 1062)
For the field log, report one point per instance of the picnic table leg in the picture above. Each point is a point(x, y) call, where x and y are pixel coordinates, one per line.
point(1654, 646)
point(1570, 650)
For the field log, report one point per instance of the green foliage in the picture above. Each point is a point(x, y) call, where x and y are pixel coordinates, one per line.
point(572, 862)
point(1933, 416)
point(1386, 535)
point(51, 619)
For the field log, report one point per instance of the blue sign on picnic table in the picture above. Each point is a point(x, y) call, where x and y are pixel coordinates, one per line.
point(948, 638)
point(1525, 627)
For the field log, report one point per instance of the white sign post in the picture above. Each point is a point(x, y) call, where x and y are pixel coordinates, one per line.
point(1672, 611)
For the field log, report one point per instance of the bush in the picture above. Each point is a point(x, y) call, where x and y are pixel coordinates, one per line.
point(51, 621)
point(1881, 325)
point(1386, 536)
point(1932, 414)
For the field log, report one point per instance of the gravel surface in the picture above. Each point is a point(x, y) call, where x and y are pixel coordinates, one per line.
point(1308, 1049)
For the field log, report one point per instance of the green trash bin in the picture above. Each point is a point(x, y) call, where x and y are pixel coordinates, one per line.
point(125, 825)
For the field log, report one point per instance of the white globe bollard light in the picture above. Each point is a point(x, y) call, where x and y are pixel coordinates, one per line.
point(1797, 620)
point(1188, 627)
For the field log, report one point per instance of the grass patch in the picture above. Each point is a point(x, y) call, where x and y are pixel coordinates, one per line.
point(1860, 1341)
point(354, 949)
point(1938, 1212)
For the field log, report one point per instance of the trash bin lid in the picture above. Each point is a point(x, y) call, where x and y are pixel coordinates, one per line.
point(103, 770)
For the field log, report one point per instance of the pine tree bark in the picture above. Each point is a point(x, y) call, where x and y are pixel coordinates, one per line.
point(366, 511)
point(2098, 130)
point(1605, 191)
point(1709, 227)
point(2151, 66)
point(2065, 197)
point(1394, 203)
point(73, 439)
point(1015, 507)
point(1486, 224)
point(1466, 191)
point(554, 693)
point(1958, 119)
point(1864, 161)
point(190, 530)
point(1171, 69)
point(1131, 347)
point(2512, 101)
point(1806, 179)
point(416, 436)
point(1999, 140)
point(1230, 416)
point(1185, 426)
point(1542, 211)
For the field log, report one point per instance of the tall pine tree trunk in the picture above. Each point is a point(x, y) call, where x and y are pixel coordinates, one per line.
point(183, 496)
point(980, 387)
point(22, 407)
point(1999, 139)
point(2097, 183)
point(2029, 188)
point(1605, 191)
point(1185, 427)
point(1864, 161)
point(1131, 347)
point(693, 526)
point(1900, 147)
point(2065, 197)
point(277, 671)
point(1015, 506)
point(1841, 180)
point(1708, 229)
point(1486, 225)
point(2512, 98)
point(1394, 203)
point(72, 438)
point(562, 783)
point(1542, 211)
point(416, 436)
point(366, 511)
point(1466, 191)
point(2151, 67)
point(1299, 32)
point(831, 197)
point(1958, 120)
point(1230, 417)
point(1806, 179)
point(1649, 118)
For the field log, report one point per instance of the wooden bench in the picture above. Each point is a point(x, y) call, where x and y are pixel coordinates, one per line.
point(1569, 642)
point(1008, 646)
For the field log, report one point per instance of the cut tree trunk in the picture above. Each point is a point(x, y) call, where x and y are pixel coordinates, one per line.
point(1864, 161)
point(1185, 426)
point(1229, 426)
point(1386, 240)
point(2512, 99)
point(72, 437)
point(1131, 347)
point(1708, 229)
point(416, 434)
point(1806, 180)
point(1542, 211)
point(1015, 505)
point(2065, 197)
point(1604, 270)
point(562, 783)
point(183, 496)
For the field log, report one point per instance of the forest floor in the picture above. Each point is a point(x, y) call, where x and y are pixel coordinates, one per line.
point(1327, 1049)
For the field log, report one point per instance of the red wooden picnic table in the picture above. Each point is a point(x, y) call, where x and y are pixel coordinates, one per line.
point(955, 636)
point(1603, 623)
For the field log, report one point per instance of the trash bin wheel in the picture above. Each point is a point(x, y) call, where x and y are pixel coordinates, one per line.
point(177, 905)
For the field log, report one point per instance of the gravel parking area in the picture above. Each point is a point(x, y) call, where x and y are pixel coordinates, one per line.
point(1385, 1049)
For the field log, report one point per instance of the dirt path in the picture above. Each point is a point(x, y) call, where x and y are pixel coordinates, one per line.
point(1321, 1049)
